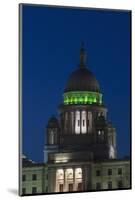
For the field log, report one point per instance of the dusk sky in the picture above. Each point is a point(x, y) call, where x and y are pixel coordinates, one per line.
point(51, 42)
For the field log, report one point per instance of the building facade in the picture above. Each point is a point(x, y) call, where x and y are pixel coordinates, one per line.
point(80, 149)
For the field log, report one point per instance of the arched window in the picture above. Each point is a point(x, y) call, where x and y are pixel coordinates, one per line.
point(51, 137)
point(83, 122)
point(77, 122)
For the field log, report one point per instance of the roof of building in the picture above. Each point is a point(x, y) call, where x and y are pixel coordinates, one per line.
point(82, 79)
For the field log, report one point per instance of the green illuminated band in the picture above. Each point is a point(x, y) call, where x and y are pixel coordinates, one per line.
point(82, 97)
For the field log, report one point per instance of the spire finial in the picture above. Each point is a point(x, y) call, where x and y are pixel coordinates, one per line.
point(82, 55)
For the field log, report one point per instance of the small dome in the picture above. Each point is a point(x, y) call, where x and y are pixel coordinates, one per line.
point(53, 123)
point(82, 80)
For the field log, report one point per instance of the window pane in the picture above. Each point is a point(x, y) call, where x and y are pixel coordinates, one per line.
point(34, 177)
point(24, 177)
point(98, 186)
point(79, 187)
point(120, 184)
point(98, 173)
point(119, 171)
point(24, 191)
point(70, 187)
point(61, 187)
point(34, 190)
point(109, 172)
point(109, 185)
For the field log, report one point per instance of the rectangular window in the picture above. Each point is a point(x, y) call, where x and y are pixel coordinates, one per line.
point(98, 173)
point(83, 122)
point(98, 186)
point(78, 122)
point(34, 177)
point(46, 189)
point(34, 190)
point(61, 187)
point(109, 172)
point(23, 190)
point(109, 185)
point(79, 187)
point(88, 122)
point(119, 171)
point(70, 187)
point(120, 184)
point(24, 177)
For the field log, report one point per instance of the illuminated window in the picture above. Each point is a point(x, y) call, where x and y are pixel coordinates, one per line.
point(77, 122)
point(60, 174)
point(51, 137)
point(82, 97)
point(99, 132)
point(69, 173)
point(78, 173)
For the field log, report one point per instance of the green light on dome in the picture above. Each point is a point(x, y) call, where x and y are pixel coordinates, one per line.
point(82, 97)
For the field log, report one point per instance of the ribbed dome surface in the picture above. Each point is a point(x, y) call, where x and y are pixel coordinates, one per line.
point(82, 80)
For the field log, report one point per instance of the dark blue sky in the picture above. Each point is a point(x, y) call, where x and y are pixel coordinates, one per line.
point(51, 43)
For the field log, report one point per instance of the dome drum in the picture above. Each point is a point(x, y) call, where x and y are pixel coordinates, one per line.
point(82, 97)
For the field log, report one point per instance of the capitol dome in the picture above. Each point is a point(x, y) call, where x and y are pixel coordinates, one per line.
point(82, 86)
point(82, 80)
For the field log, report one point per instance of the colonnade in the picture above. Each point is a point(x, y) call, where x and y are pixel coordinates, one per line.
point(78, 122)
point(68, 180)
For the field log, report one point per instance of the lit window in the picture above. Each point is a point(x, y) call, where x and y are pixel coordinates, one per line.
point(78, 173)
point(99, 132)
